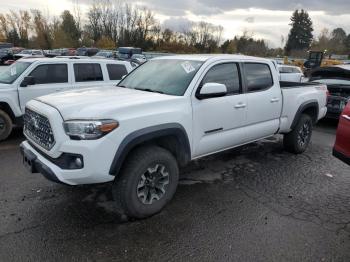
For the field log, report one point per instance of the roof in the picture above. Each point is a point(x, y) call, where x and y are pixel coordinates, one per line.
point(70, 59)
point(207, 57)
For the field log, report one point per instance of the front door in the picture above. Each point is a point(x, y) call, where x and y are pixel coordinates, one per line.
point(49, 78)
point(218, 122)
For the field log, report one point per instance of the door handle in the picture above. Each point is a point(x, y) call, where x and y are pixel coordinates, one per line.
point(240, 105)
point(59, 90)
point(275, 100)
point(346, 117)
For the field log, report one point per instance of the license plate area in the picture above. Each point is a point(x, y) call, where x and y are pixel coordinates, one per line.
point(29, 161)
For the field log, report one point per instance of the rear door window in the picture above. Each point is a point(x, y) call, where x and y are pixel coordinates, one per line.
point(87, 72)
point(258, 77)
point(50, 74)
point(116, 72)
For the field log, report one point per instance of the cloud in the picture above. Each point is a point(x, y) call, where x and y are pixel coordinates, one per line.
point(179, 24)
point(209, 7)
point(267, 19)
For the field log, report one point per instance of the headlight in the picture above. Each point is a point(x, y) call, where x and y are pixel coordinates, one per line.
point(89, 129)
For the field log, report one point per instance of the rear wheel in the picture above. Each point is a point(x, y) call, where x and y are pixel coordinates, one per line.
point(299, 138)
point(5, 125)
point(147, 182)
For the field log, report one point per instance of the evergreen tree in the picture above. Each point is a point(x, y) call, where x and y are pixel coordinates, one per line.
point(13, 37)
point(300, 36)
point(338, 41)
point(347, 43)
point(70, 29)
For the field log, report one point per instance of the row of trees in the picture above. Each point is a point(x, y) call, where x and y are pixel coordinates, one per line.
point(301, 39)
point(109, 23)
point(335, 42)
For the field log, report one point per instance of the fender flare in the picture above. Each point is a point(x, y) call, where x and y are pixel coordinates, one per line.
point(146, 134)
point(302, 108)
point(8, 109)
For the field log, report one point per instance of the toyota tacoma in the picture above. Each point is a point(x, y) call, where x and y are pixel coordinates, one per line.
point(165, 113)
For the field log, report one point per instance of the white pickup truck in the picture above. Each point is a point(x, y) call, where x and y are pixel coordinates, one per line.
point(164, 114)
point(29, 78)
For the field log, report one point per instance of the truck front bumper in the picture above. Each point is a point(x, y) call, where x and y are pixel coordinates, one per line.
point(34, 165)
point(37, 162)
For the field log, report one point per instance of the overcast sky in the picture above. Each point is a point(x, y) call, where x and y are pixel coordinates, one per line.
point(266, 19)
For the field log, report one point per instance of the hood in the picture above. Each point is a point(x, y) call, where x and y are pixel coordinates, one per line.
point(100, 102)
point(3, 86)
point(22, 55)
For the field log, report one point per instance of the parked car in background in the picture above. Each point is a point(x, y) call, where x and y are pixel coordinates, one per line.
point(29, 53)
point(125, 53)
point(29, 78)
point(86, 51)
point(60, 52)
point(341, 148)
point(337, 79)
point(165, 113)
point(140, 58)
point(290, 73)
point(5, 55)
point(106, 54)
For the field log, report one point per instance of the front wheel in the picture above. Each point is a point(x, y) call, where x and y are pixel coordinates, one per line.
point(147, 182)
point(299, 138)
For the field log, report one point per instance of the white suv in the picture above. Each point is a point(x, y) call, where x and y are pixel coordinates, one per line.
point(32, 77)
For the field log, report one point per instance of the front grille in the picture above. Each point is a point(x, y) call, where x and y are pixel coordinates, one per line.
point(37, 127)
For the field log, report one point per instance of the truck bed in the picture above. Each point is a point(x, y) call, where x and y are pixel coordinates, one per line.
point(295, 95)
point(286, 85)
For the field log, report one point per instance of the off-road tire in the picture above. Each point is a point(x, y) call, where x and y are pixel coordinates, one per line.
point(5, 125)
point(297, 140)
point(126, 186)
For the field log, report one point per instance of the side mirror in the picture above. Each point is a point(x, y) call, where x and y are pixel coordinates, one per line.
point(28, 81)
point(210, 90)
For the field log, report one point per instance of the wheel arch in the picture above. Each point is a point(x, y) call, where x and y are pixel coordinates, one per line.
point(8, 110)
point(310, 108)
point(172, 137)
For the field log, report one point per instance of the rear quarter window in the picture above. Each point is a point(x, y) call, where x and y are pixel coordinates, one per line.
point(87, 72)
point(258, 77)
point(116, 72)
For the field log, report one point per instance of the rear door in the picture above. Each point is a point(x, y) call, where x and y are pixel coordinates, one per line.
point(264, 100)
point(88, 75)
point(218, 122)
point(49, 78)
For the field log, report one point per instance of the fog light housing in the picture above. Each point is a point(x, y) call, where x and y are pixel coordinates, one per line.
point(78, 162)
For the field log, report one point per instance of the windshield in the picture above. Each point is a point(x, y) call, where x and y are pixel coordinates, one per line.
point(11, 73)
point(124, 56)
point(81, 52)
point(168, 76)
point(105, 54)
point(333, 81)
point(26, 52)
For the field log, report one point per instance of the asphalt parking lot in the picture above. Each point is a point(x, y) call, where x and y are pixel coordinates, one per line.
point(255, 203)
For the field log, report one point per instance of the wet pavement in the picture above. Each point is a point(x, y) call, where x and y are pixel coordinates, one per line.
point(255, 203)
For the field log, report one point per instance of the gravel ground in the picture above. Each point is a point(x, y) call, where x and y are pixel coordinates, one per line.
point(255, 203)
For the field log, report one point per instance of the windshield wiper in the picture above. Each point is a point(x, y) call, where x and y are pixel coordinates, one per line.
point(148, 90)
